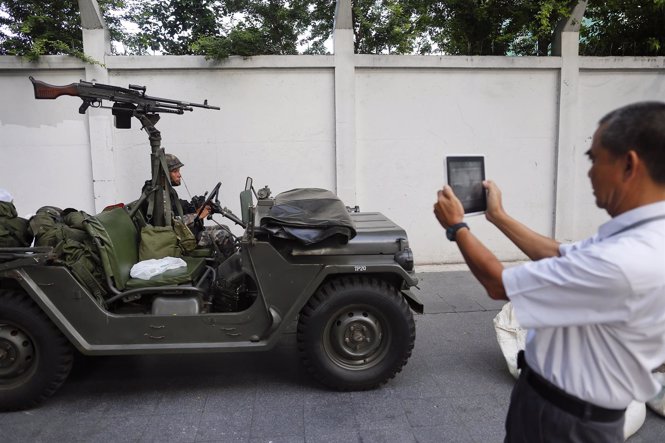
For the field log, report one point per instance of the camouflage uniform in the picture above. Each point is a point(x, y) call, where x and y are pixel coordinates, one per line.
point(206, 236)
point(172, 162)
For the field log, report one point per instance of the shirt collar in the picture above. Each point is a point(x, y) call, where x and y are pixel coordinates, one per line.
point(628, 218)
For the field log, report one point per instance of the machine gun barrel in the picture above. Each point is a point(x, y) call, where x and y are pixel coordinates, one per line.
point(93, 94)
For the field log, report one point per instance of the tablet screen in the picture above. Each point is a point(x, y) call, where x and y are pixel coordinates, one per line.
point(465, 176)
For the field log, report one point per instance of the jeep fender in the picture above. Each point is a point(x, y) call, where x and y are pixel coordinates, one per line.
point(392, 272)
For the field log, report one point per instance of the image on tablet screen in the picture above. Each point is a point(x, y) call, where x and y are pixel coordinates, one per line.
point(465, 175)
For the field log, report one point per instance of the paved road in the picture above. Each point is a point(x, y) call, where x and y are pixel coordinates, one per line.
point(455, 388)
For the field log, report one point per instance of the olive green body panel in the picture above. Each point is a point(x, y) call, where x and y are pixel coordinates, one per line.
point(94, 330)
point(285, 284)
point(286, 275)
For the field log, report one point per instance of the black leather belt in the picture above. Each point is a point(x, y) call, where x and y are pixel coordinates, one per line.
point(564, 401)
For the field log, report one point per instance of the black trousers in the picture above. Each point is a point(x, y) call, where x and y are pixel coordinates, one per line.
point(532, 419)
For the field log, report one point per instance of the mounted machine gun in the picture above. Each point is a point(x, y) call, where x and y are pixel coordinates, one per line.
point(127, 103)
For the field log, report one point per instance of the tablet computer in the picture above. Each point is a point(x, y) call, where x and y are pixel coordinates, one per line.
point(465, 174)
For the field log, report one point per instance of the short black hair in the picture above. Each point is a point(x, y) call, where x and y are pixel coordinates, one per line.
point(639, 127)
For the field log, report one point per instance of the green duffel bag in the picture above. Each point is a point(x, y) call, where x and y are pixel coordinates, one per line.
point(52, 225)
point(14, 230)
point(73, 218)
point(82, 258)
point(43, 225)
point(158, 242)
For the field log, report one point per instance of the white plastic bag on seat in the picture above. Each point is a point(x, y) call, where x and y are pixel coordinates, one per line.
point(147, 269)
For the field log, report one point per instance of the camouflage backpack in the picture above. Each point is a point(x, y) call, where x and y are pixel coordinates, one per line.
point(14, 230)
point(74, 248)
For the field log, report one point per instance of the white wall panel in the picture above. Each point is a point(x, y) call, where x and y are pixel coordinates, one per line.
point(408, 120)
point(44, 149)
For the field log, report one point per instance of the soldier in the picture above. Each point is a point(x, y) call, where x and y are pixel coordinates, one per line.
point(189, 211)
point(206, 236)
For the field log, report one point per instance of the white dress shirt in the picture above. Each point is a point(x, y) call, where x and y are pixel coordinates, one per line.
point(596, 315)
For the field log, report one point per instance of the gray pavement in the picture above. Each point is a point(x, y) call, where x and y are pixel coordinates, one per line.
point(455, 388)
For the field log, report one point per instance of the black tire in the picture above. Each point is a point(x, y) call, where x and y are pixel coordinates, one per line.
point(355, 333)
point(35, 358)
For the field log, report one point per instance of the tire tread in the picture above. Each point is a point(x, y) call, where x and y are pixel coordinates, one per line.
point(20, 301)
point(325, 293)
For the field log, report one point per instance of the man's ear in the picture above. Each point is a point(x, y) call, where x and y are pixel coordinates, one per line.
point(632, 163)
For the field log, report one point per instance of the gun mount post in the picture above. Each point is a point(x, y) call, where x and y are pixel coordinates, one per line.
point(159, 206)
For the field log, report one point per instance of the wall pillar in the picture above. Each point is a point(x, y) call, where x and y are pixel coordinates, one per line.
point(566, 45)
point(345, 100)
point(96, 45)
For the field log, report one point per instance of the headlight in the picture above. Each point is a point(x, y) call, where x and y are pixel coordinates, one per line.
point(405, 259)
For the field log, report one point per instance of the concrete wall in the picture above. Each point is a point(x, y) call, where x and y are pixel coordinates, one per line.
point(373, 128)
point(402, 137)
point(44, 146)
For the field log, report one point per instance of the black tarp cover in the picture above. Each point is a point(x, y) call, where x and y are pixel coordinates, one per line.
point(309, 215)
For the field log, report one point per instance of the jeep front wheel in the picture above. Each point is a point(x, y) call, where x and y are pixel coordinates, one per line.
point(35, 358)
point(355, 333)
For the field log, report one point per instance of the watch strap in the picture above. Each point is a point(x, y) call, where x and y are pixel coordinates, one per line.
point(451, 232)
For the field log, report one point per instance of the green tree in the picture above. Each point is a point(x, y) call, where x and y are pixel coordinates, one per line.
point(170, 27)
point(219, 29)
point(391, 26)
point(458, 27)
point(496, 27)
point(624, 27)
point(31, 28)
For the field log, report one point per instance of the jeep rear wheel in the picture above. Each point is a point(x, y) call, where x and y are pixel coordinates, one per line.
point(355, 333)
point(35, 358)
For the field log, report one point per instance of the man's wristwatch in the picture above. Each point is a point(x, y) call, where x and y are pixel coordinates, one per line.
point(451, 232)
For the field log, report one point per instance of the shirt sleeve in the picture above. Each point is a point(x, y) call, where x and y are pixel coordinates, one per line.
point(565, 248)
point(579, 288)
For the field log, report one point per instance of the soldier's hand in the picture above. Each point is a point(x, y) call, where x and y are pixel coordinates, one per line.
point(205, 212)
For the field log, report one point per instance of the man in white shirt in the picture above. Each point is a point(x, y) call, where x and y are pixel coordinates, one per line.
point(595, 310)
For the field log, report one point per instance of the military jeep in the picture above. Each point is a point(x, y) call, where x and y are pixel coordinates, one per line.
point(344, 276)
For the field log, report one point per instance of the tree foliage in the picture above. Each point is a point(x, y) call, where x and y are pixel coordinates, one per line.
point(468, 27)
point(390, 26)
point(170, 27)
point(218, 28)
point(32, 28)
point(624, 27)
point(499, 27)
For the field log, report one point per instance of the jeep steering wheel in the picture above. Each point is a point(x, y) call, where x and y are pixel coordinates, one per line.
point(210, 198)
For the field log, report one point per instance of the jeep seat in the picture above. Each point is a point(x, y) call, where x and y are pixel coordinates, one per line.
point(117, 238)
point(194, 269)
